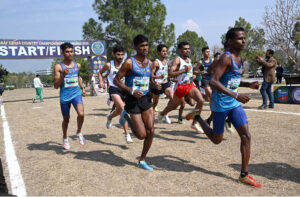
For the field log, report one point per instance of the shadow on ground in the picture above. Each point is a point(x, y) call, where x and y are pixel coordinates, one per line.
point(273, 171)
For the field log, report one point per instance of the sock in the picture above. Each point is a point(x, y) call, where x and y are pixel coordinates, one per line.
point(243, 174)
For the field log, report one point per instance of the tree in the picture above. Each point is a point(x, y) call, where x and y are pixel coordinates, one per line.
point(254, 43)
point(125, 19)
point(196, 44)
point(280, 22)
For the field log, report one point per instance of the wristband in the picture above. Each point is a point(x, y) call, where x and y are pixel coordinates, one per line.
point(237, 94)
point(132, 92)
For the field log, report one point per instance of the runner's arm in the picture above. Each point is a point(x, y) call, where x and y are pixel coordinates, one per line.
point(103, 70)
point(173, 73)
point(153, 71)
point(58, 76)
point(125, 68)
point(80, 82)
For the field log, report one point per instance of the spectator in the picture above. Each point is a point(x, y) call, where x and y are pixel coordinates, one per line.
point(38, 88)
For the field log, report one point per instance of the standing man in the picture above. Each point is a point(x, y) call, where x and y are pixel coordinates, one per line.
point(268, 67)
point(137, 72)
point(161, 80)
point(225, 100)
point(66, 77)
point(182, 69)
point(38, 88)
point(279, 73)
point(115, 93)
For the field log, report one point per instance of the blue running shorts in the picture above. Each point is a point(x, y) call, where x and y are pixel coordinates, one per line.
point(65, 106)
point(237, 117)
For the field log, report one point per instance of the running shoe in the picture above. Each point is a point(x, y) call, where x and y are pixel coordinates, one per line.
point(81, 139)
point(167, 119)
point(33, 100)
point(156, 109)
point(192, 115)
point(160, 118)
point(108, 101)
point(66, 144)
point(180, 121)
point(144, 165)
point(122, 119)
point(128, 138)
point(250, 181)
point(108, 121)
point(197, 127)
point(228, 127)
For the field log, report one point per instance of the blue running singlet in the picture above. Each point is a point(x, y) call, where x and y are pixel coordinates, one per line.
point(221, 102)
point(69, 88)
point(139, 78)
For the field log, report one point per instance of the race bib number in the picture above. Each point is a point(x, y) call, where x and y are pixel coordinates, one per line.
point(233, 84)
point(141, 83)
point(71, 82)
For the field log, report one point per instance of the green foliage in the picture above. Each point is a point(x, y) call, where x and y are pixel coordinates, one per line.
point(196, 44)
point(125, 19)
point(296, 35)
point(254, 43)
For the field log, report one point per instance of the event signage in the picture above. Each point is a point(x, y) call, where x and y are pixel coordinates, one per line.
point(287, 94)
point(39, 49)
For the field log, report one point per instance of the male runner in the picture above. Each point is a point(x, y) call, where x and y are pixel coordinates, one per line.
point(137, 72)
point(117, 95)
point(183, 70)
point(160, 75)
point(226, 99)
point(66, 77)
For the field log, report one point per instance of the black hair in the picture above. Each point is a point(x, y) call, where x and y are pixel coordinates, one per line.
point(216, 54)
point(181, 44)
point(66, 45)
point(271, 51)
point(37, 75)
point(139, 39)
point(161, 46)
point(204, 48)
point(118, 48)
point(231, 33)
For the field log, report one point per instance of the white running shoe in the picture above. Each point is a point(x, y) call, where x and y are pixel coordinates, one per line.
point(167, 119)
point(81, 139)
point(108, 121)
point(228, 127)
point(66, 144)
point(197, 127)
point(108, 101)
point(128, 138)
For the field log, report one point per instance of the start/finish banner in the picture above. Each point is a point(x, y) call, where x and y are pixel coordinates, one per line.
point(40, 49)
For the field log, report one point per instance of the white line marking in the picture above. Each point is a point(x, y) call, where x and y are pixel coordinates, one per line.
point(36, 107)
point(16, 180)
point(276, 112)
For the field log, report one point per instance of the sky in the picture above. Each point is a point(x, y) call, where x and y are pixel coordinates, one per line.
point(63, 20)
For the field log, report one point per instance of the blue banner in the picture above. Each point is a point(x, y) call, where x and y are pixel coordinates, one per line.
point(41, 49)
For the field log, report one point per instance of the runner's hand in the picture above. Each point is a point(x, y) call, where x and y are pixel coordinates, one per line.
point(83, 92)
point(243, 98)
point(158, 86)
point(137, 94)
point(66, 71)
point(254, 85)
point(101, 85)
point(188, 68)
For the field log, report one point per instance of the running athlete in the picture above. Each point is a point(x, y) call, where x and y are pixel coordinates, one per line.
point(137, 72)
point(160, 76)
point(115, 94)
point(183, 70)
point(66, 77)
point(226, 99)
